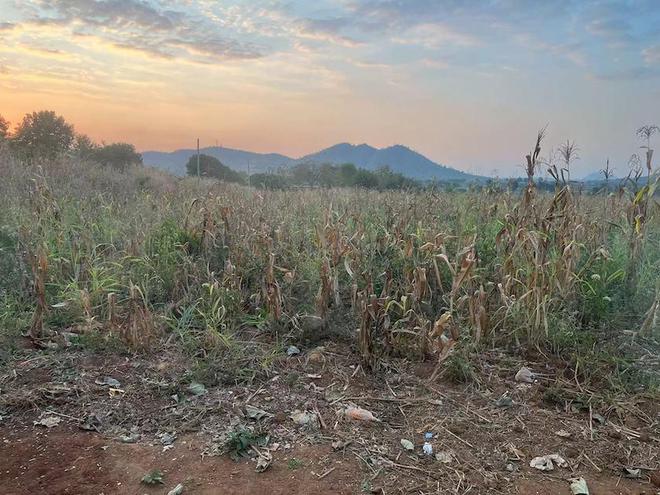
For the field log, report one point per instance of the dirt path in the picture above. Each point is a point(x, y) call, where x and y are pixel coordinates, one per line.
point(487, 447)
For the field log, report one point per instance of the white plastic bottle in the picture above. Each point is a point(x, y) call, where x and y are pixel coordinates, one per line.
point(428, 448)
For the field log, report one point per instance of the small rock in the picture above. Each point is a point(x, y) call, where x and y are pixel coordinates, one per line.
point(524, 375)
point(167, 438)
point(444, 457)
point(563, 433)
point(572, 452)
point(130, 438)
point(316, 357)
point(292, 350)
point(305, 418)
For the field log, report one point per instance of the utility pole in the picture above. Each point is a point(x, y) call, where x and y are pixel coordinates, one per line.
point(198, 174)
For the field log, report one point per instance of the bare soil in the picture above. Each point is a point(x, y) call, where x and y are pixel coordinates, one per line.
point(487, 448)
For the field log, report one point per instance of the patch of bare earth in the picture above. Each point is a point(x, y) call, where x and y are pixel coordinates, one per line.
point(482, 447)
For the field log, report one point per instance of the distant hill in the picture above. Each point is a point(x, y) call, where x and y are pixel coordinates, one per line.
point(596, 175)
point(175, 162)
point(399, 158)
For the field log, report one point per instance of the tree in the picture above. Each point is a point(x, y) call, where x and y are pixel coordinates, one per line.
point(42, 135)
point(4, 128)
point(211, 167)
point(84, 148)
point(119, 156)
point(268, 181)
point(348, 173)
point(366, 179)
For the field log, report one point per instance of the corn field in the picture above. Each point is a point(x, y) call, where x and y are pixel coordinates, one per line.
point(141, 256)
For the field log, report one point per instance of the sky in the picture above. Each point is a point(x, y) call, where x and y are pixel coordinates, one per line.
point(467, 83)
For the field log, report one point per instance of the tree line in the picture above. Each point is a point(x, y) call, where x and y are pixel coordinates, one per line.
point(44, 135)
point(304, 175)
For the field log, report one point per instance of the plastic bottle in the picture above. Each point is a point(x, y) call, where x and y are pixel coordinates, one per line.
point(428, 448)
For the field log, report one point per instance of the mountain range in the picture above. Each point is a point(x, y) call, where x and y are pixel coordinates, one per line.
point(399, 158)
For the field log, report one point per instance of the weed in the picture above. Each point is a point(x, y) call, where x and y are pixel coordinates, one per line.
point(294, 464)
point(458, 368)
point(154, 477)
point(240, 441)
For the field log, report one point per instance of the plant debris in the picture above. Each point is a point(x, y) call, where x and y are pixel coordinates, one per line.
point(196, 388)
point(108, 381)
point(154, 477)
point(407, 444)
point(256, 413)
point(48, 421)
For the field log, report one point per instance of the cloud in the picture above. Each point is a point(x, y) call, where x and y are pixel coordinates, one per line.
point(613, 30)
point(634, 73)
point(435, 35)
point(328, 29)
point(651, 55)
point(216, 47)
point(118, 13)
point(141, 26)
point(6, 26)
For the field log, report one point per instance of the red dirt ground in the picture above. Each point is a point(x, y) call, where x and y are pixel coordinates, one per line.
point(73, 462)
point(481, 437)
point(64, 461)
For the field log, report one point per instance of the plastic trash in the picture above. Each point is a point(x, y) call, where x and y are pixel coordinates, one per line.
point(177, 490)
point(548, 462)
point(359, 414)
point(579, 487)
point(407, 444)
point(428, 448)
